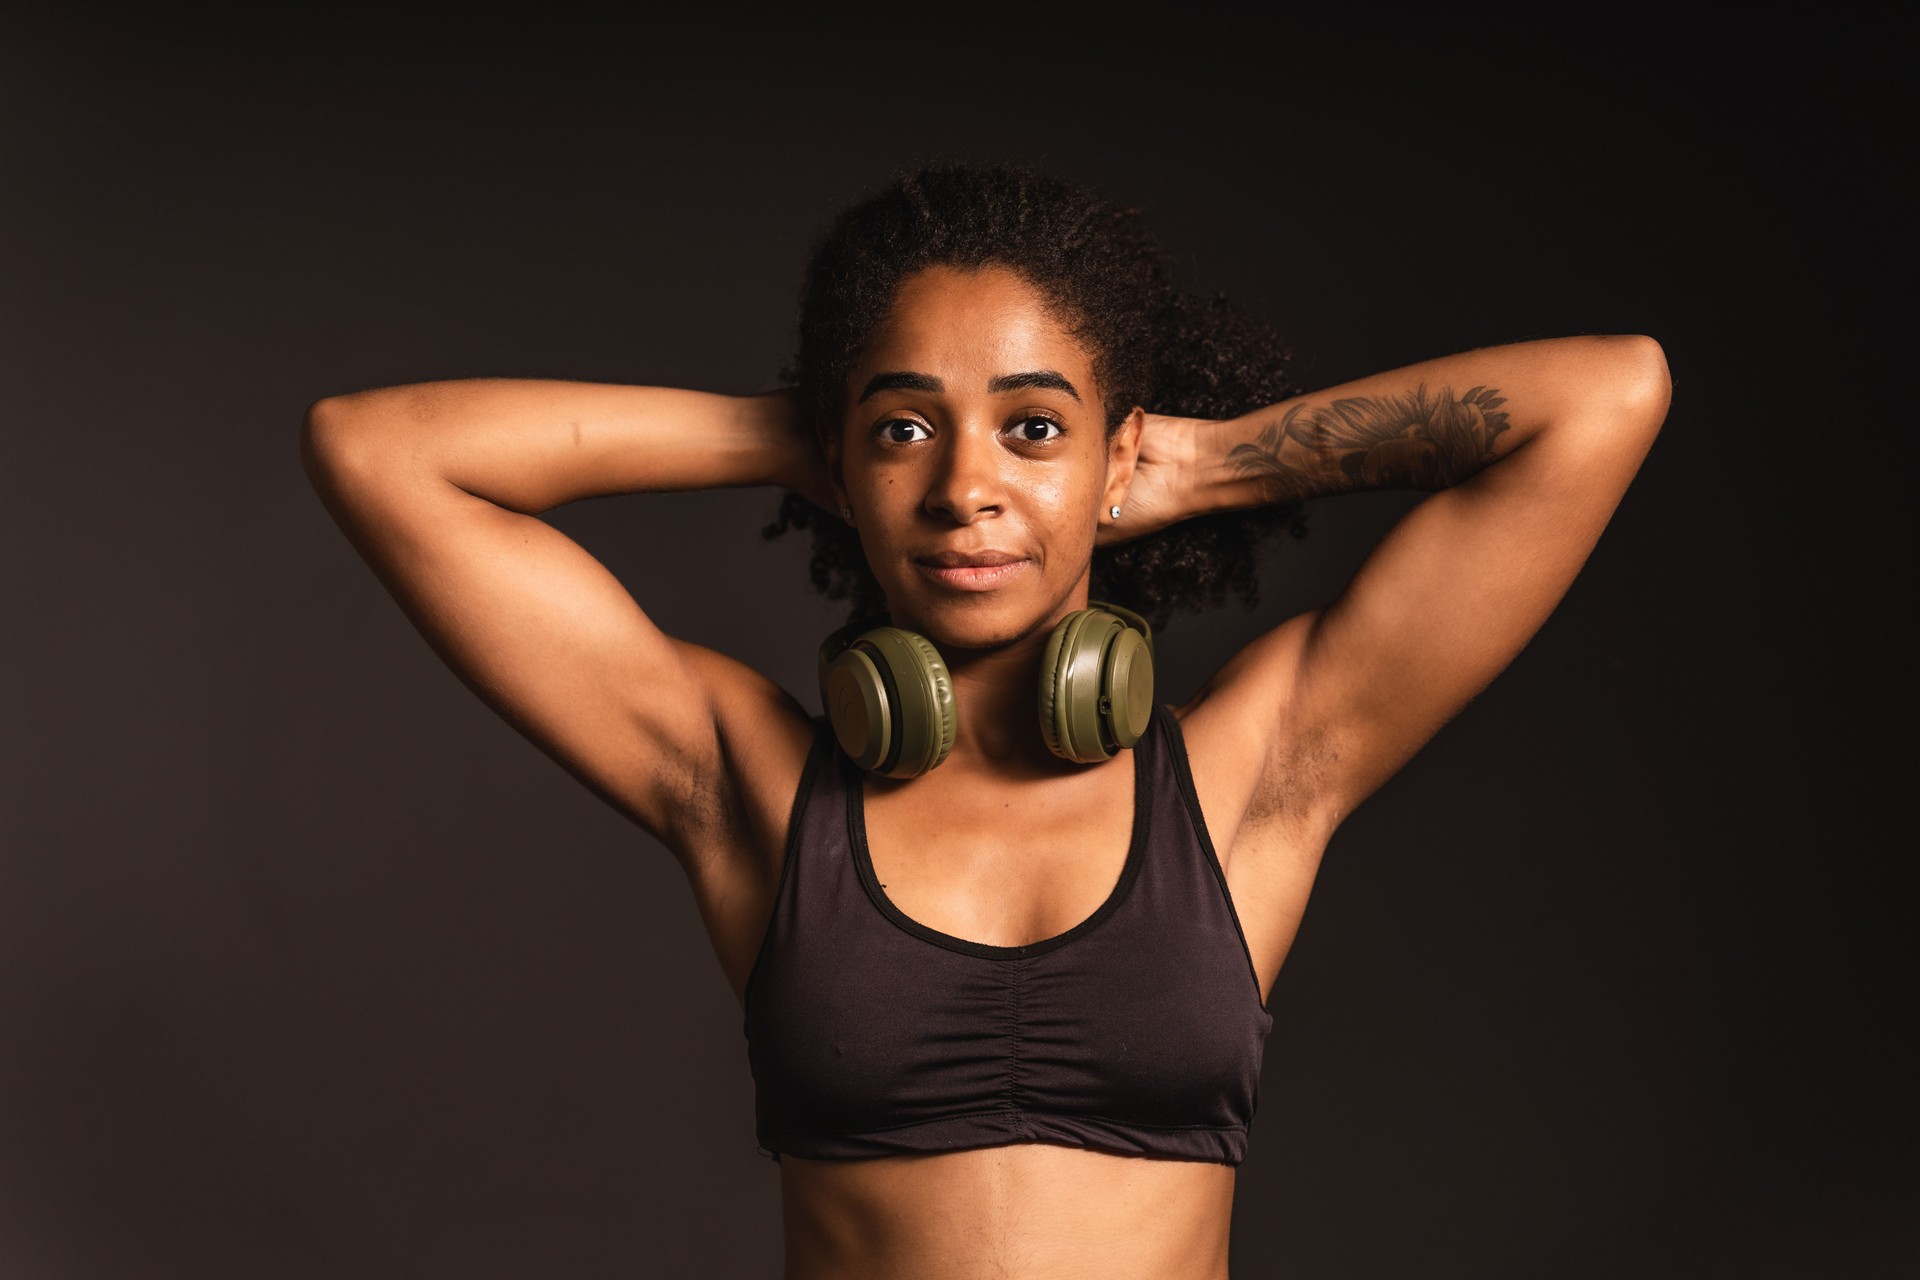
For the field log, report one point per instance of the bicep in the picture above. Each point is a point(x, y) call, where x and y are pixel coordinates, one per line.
point(1458, 587)
point(543, 632)
point(1324, 709)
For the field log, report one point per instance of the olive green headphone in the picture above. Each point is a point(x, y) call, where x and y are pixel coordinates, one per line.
point(887, 692)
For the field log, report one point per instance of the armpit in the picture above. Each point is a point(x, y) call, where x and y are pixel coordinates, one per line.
point(1297, 772)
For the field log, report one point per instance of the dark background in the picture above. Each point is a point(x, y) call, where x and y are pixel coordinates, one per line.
point(309, 967)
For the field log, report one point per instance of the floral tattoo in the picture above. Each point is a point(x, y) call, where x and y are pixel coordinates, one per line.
point(1416, 441)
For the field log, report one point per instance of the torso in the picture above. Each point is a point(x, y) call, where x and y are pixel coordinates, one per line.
point(1020, 1212)
point(1028, 1209)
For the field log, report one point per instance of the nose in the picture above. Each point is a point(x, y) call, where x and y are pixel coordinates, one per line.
point(967, 484)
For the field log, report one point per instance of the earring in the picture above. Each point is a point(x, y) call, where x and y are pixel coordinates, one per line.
point(846, 513)
point(1114, 512)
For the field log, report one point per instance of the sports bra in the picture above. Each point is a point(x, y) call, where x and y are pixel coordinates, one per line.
point(1138, 1031)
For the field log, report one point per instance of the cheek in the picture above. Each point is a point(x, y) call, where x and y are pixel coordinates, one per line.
point(879, 490)
point(1062, 497)
point(1082, 494)
point(1070, 504)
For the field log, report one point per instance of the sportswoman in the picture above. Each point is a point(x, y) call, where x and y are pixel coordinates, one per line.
point(1002, 921)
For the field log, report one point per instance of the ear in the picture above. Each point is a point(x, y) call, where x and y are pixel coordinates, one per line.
point(1123, 452)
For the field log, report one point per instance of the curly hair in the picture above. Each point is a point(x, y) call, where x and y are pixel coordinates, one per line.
point(1153, 344)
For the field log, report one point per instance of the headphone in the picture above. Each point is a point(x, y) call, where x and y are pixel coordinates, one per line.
point(890, 699)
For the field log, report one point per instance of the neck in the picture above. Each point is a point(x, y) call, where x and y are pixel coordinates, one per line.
point(996, 695)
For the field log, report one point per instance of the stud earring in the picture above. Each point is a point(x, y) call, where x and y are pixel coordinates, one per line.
point(1113, 512)
point(846, 513)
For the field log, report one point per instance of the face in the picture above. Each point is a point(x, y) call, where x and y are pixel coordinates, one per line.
point(975, 456)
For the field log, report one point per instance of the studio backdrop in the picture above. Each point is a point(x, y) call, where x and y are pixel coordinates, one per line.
point(311, 967)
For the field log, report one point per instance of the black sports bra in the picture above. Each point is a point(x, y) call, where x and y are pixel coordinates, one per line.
point(1140, 1030)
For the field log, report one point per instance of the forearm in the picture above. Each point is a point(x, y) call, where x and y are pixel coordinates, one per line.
point(1427, 426)
point(533, 444)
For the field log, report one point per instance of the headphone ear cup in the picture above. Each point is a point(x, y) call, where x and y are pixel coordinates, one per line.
point(1050, 728)
point(890, 700)
point(1071, 686)
point(1127, 676)
point(858, 706)
point(925, 719)
point(1096, 683)
point(1127, 687)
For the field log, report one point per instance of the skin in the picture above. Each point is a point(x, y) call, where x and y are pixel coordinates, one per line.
point(439, 485)
point(928, 470)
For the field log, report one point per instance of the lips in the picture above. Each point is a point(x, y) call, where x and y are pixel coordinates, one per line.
point(971, 570)
point(968, 559)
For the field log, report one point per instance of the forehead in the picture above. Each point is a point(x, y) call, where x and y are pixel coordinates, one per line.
point(972, 326)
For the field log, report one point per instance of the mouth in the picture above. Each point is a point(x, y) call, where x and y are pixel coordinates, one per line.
point(971, 571)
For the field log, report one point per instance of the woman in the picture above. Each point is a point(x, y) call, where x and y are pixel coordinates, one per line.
point(1003, 929)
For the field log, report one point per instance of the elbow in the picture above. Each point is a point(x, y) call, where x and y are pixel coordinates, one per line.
point(322, 437)
point(1645, 382)
point(337, 443)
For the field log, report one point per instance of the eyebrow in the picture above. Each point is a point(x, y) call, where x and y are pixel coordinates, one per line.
point(1042, 379)
point(900, 380)
point(903, 380)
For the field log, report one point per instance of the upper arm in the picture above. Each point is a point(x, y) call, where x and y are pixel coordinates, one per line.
point(549, 638)
point(1334, 702)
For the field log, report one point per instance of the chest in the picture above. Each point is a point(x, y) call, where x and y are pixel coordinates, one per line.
point(1025, 997)
point(1002, 864)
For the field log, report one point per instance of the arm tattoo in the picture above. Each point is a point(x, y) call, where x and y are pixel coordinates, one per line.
point(1416, 441)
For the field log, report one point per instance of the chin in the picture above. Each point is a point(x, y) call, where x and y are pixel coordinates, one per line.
point(978, 622)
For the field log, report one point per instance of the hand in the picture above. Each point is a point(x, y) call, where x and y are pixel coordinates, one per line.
point(1163, 479)
point(802, 465)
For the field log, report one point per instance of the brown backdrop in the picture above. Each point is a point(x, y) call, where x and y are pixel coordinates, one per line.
point(309, 967)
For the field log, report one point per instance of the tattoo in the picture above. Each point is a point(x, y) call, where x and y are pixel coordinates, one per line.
point(1416, 441)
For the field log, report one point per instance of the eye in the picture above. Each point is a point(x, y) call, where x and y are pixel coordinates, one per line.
point(900, 430)
point(1036, 429)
